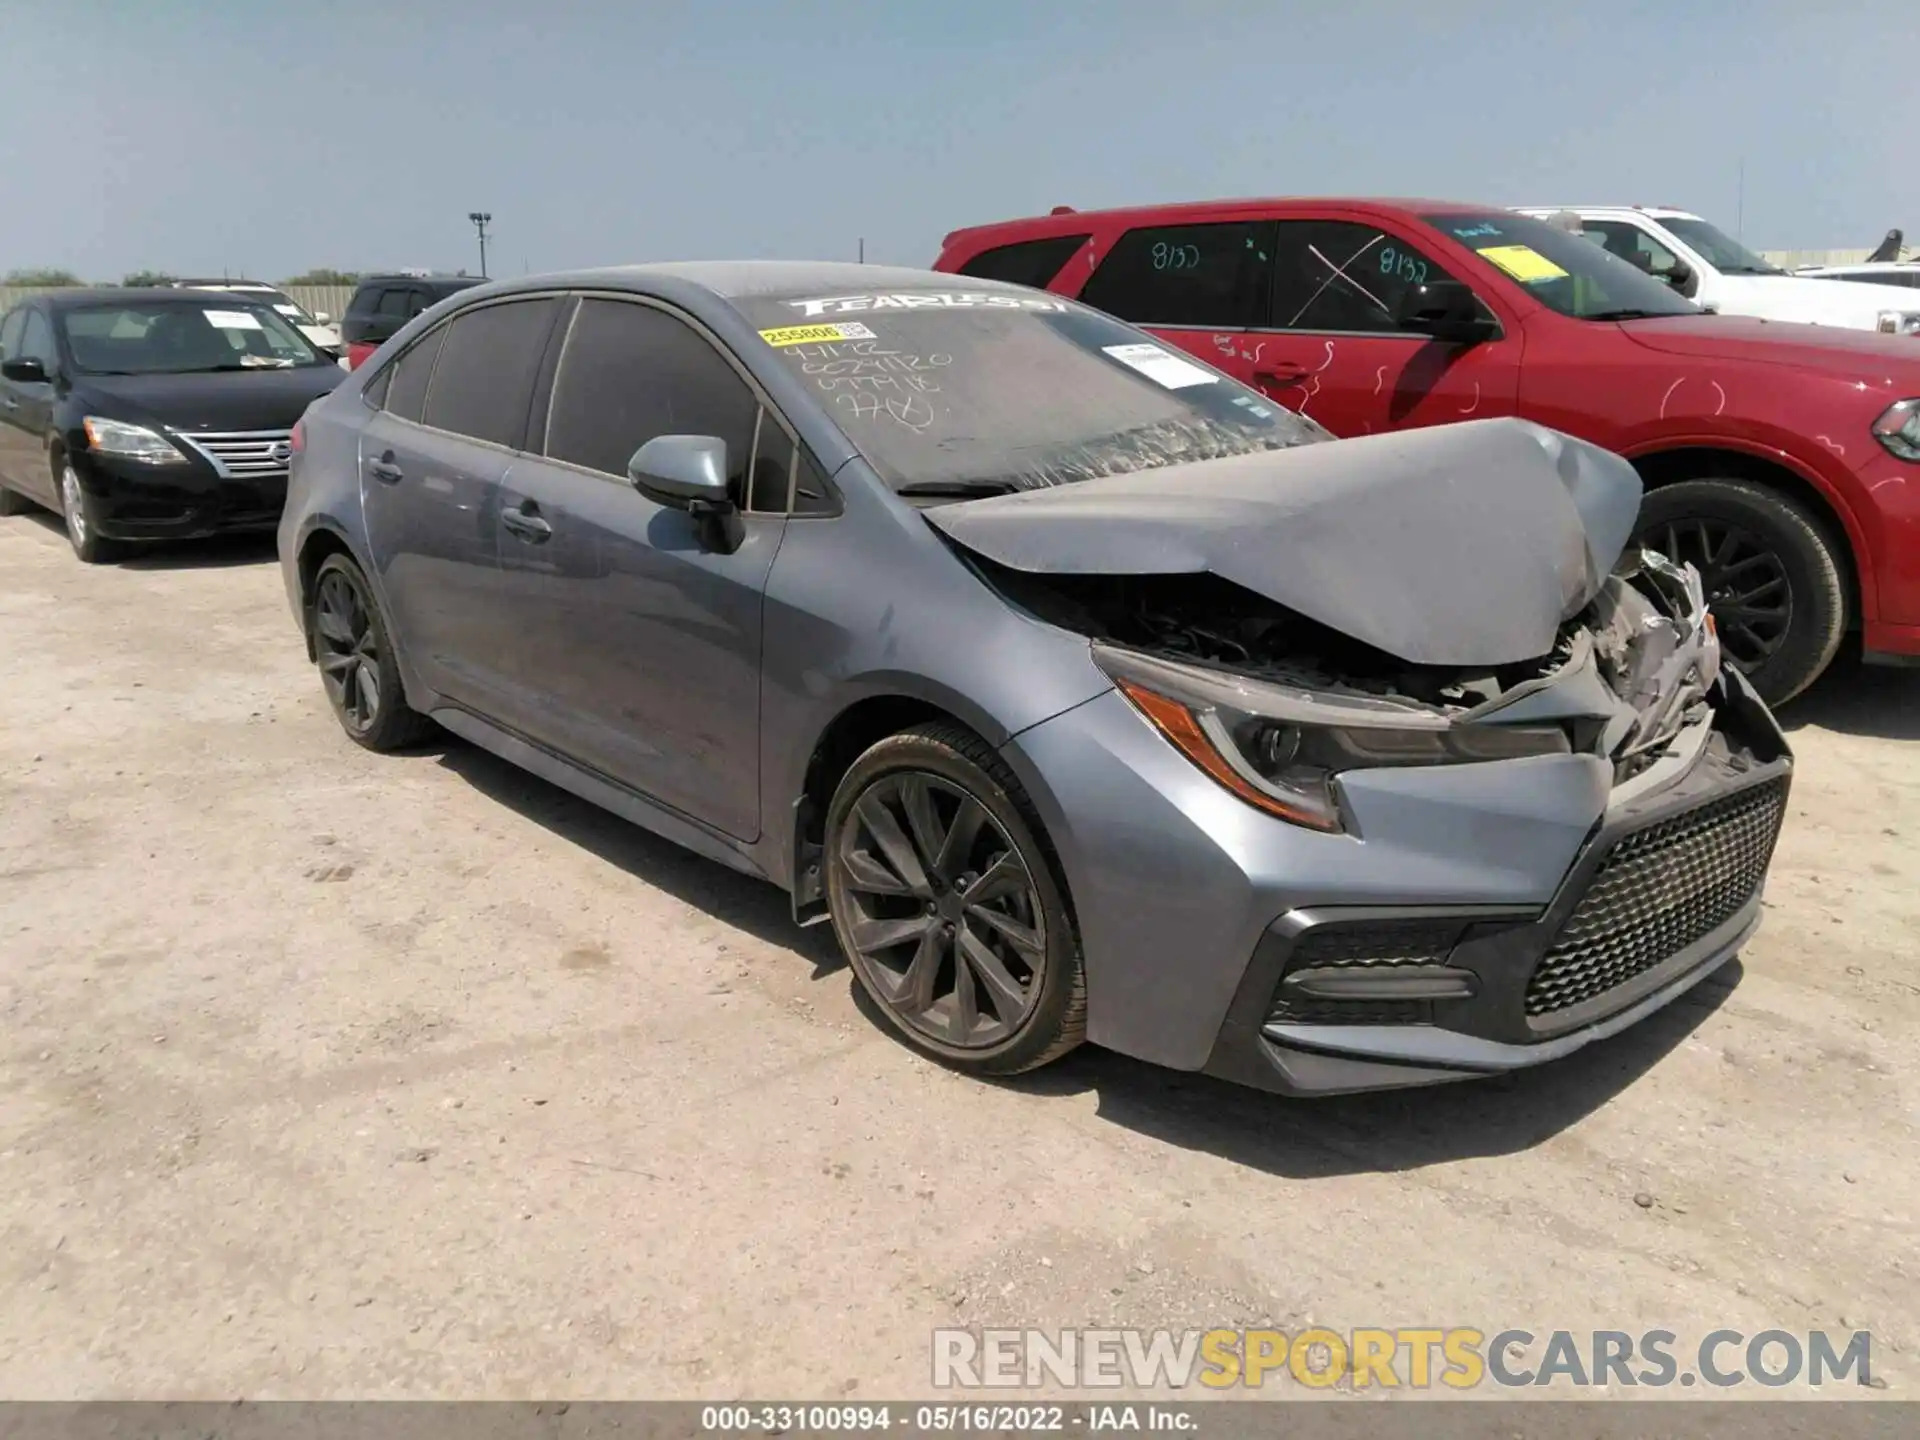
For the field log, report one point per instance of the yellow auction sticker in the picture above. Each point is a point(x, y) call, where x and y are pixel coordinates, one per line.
point(816, 334)
point(1523, 263)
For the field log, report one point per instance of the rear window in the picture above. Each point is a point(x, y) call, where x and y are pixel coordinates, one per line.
point(1030, 262)
point(1008, 389)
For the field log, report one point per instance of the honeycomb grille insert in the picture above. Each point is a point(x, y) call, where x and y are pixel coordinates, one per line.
point(1659, 890)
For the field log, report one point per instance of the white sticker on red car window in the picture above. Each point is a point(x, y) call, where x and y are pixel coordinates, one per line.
point(922, 300)
point(1160, 366)
point(233, 320)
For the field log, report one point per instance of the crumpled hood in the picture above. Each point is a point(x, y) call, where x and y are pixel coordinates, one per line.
point(1459, 545)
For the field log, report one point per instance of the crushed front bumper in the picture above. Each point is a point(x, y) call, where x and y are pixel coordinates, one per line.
point(1528, 907)
point(1665, 892)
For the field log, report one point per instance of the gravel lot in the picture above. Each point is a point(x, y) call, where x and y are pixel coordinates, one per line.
point(326, 1074)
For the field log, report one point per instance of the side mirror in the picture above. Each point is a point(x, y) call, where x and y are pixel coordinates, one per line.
point(689, 472)
point(1682, 278)
point(26, 370)
point(323, 318)
point(1446, 310)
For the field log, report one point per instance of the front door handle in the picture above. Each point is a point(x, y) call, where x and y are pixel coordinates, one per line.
point(527, 523)
point(384, 469)
point(1281, 372)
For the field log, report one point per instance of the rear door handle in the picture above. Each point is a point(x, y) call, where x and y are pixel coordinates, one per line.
point(527, 523)
point(384, 469)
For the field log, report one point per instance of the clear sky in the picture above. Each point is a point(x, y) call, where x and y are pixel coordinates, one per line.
point(268, 136)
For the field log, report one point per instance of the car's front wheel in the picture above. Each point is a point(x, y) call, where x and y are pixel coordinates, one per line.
point(946, 902)
point(1772, 576)
point(357, 665)
point(83, 530)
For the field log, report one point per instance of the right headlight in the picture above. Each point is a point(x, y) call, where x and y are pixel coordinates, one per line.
point(130, 442)
point(1898, 429)
point(1280, 749)
point(1899, 322)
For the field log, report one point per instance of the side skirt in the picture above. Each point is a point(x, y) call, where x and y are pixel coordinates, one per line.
point(589, 785)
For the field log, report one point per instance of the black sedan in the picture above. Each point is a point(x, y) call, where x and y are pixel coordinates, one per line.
point(151, 414)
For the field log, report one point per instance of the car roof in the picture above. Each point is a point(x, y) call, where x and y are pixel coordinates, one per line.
point(108, 294)
point(1064, 220)
point(748, 279)
point(224, 284)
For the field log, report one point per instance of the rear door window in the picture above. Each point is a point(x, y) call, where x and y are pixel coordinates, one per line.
point(1187, 276)
point(1030, 262)
point(483, 384)
point(10, 331)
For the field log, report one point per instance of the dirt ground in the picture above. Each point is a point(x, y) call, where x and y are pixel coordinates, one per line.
point(325, 1074)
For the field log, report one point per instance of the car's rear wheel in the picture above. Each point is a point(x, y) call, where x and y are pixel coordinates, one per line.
point(357, 665)
point(1772, 576)
point(83, 531)
point(947, 904)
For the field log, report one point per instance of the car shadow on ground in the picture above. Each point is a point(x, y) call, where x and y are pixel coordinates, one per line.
point(1311, 1139)
point(1878, 702)
point(1300, 1139)
point(755, 906)
point(211, 553)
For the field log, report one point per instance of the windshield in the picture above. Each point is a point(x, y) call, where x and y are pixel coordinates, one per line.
point(163, 337)
point(1717, 248)
point(949, 394)
point(1564, 271)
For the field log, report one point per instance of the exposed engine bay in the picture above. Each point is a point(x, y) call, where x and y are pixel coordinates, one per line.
point(1645, 638)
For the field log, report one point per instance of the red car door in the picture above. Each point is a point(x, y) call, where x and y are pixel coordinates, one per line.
point(1333, 350)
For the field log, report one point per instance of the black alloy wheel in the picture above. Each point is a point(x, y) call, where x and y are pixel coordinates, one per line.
point(1745, 581)
point(357, 665)
point(944, 903)
point(1773, 574)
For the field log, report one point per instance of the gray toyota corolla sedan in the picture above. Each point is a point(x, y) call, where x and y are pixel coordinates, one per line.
point(1089, 694)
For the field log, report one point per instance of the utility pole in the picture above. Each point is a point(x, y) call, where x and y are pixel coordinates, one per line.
point(1740, 205)
point(863, 249)
point(480, 225)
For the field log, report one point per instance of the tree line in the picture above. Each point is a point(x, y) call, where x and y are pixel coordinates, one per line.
point(48, 277)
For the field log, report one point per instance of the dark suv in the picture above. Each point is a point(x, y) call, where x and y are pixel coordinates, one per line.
point(383, 303)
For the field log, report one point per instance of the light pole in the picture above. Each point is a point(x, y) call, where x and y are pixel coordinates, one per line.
point(480, 224)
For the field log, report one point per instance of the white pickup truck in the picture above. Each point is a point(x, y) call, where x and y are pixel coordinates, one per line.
point(1709, 266)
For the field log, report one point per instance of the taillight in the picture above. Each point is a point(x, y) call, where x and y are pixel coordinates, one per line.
point(298, 439)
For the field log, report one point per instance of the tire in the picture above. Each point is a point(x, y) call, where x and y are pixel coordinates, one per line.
point(985, 930)
point(83, 530)
point(355, 656)
point(1772, 575)
point(13, 503)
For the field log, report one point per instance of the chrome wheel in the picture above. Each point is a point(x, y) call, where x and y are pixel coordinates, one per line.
point(74, 505)
point(942, 917)
point(349, 652)
point(1745, 579)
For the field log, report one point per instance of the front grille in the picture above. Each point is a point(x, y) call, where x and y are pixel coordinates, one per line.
point(1659, 890)
point(244, 454)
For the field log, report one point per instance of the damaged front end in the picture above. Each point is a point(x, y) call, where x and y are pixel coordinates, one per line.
point(1274, 706)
